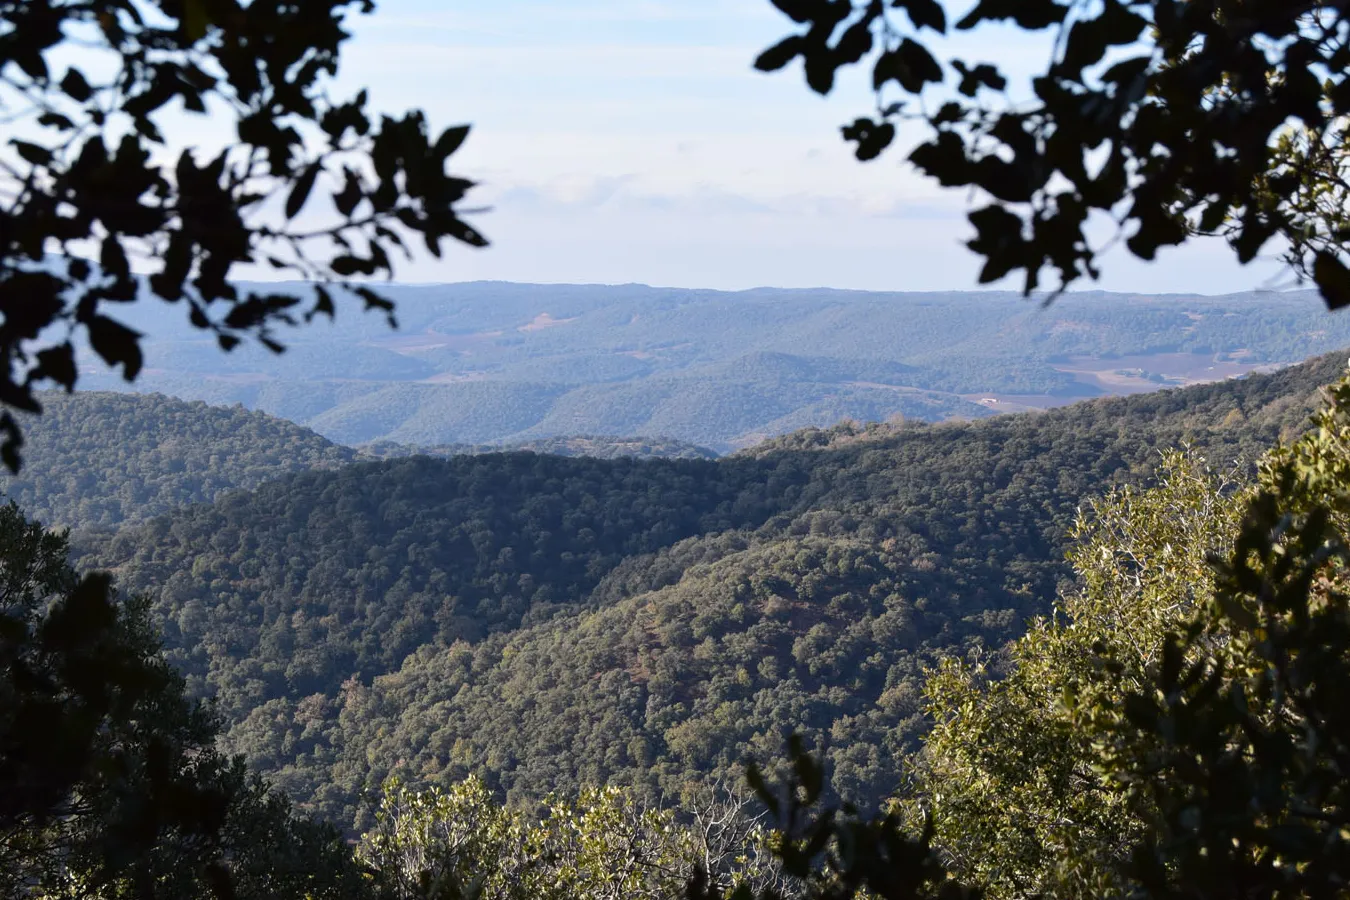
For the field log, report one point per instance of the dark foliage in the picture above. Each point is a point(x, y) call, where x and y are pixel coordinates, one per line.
point(1242, 734)
point(108, 775)
point(85, 185)
point(833, 853)
point(1232, 733)
point(1173, 118)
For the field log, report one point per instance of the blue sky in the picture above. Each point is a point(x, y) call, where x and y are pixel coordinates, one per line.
point(631, 141)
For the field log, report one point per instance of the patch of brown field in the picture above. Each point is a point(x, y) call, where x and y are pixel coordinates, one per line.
point(542, 321)
point(1122, 376)
point(1117, 376)
point(1016, 403)
point(655, 352)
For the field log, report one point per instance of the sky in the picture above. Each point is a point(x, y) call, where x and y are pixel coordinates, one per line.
point(632, 141)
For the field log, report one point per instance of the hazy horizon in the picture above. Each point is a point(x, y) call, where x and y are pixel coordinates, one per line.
point(1079, 289)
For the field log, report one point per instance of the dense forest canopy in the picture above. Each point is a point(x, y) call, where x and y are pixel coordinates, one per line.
point(112, 781)
point(102, 459)
point(545, 621)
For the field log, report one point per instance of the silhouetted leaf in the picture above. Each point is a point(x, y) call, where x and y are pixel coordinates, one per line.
point(58, 364)
point(75, 86)
point(13, 442)
point(871, 137)
point(55, 120)
point(117, 344)
point(451, 140)
point(926, 14)
point(31, 153)
point(780, 54)
point(303, 186)
point(351, 194)
point(1029, 14)
point(854, 43)
point(466, 233)
point(323, 303)
point(800, 11)
point(1333, 280)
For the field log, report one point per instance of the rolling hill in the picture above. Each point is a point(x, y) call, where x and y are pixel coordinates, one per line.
point(495, 363)
point(100, 459)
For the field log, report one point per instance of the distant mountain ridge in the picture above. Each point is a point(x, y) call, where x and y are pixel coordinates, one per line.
point(496, 363)
point(594, 446)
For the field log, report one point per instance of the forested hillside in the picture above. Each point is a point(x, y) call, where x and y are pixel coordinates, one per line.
point(100, 458)
point(97, 458)
point(496, 363)
point(545, 621)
